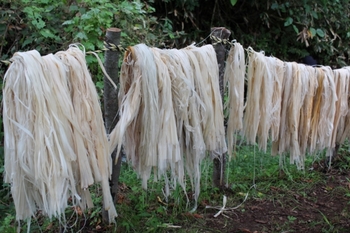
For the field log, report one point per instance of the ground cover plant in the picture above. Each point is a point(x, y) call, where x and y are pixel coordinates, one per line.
point(262, 196)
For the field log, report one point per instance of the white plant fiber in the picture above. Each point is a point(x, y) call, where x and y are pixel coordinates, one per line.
point(234, 77)
point(38, 131)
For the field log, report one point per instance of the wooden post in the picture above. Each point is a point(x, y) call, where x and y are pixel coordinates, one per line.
point(222, 34)
point(110, 98)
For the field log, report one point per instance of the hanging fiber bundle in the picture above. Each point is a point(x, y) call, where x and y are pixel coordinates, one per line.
point(190, 111)
point(343, 129)
point(213, 128)
point(316, 109)
point(277, 71)
point(252, 111)
point(94, 147)
point(265, 100)
point(139, 111)
point(55, 143)
point(234, 77)
point(341, 81)
point(282, 144)
point(257, 119)
point(39, 133)
point(306, 110)
point(299, 90)
point(327, 110)
point(168, 145)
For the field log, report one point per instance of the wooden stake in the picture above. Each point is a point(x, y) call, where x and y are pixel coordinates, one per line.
point(220, 49)
point(110, 98)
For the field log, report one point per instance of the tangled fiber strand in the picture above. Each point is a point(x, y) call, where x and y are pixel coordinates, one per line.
point(340, 76)
point(299, 90)
point(234, 77)
point(277, 71)
point(184, 70)
point(38, 123)
point(265, 100)
point(316, 110)
point(89, 115)
point(282, 144)
point(327, 110)
point(209, 72)
point(257, 119)
point(170, 101)
point(252, 112)
point(52, 138)
point(306, 110)
point(168, 144)
point(341, 81)
point(139, 111)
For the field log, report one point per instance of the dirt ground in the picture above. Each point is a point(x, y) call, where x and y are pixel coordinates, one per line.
point(317, 207)
point(323, 208)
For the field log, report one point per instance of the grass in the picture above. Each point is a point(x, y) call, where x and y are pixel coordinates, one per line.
point(252, 173)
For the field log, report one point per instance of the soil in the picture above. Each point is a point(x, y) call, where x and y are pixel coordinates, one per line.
point(322, 208)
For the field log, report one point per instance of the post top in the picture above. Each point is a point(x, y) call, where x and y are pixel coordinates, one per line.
point(114, 29)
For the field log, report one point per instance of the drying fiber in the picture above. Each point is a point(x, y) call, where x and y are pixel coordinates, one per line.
point(277, 71)
point(299, 90)
point(49, 148)
point(170, 114)
point(306, 110)
point(89, 116)
point(263, 71)
point(213, 128)
point(139, 111)
point(327, 110)
point(37, 134)
point(257, 118)
point(234, 77)
point(342, 114)
point(341, 82)
point(252, 113)
point(281, 145)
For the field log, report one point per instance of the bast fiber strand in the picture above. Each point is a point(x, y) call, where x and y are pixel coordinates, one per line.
point(171, 112)
point(234, 77)
point(89, 115)
point(38, 136)
point(55, 143)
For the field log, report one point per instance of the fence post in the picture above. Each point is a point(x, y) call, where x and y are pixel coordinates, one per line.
point(223, 34)
point(110, 98)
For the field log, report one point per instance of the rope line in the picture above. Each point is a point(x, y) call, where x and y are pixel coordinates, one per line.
point(217, 40)
point(106, 47)
point(112, 47)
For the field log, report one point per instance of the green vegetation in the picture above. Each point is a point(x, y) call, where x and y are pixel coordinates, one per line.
point(254, 178)
point(286, 29)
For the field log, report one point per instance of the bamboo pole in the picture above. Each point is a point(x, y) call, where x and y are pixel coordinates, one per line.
point(222, 34)
point(110, 98)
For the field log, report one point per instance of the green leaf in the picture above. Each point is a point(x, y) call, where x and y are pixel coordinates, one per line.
point(295, 29)
point(47, 33)
point(313, 32)
point(67, 22)
point(99, 84)
point(320, 32)
point(274, 6)
point(26, 42)
point(38, 23)
point(81, 35)
point(288, 21)
point(314, 14)
point(73, 8)
point(233, 2)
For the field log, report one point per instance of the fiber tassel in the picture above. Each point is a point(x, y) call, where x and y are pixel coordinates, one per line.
point(234, 77)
